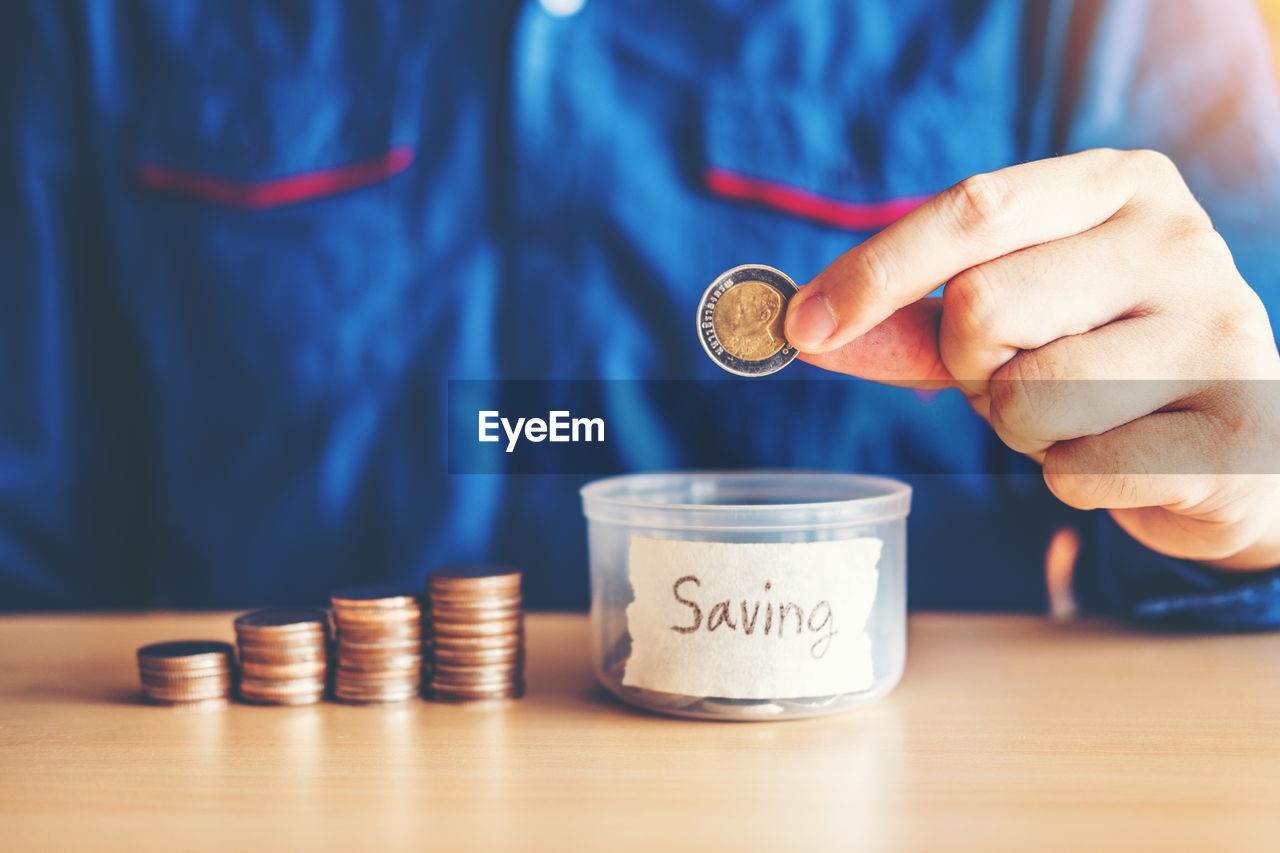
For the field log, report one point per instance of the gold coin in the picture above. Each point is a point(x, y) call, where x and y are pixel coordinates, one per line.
point(190, 704)
point(276, 621)
point(464, 657)
point(372, 617)
point(186, 655)
point(741, 317)
point(405, 672)
point(390, 693)
point(267, 697)
point(470, 675)
point(286, 671)
point(507, 627)
point(748, 320)
point(446, 642)
point(179, 678)
point(266, 655)
point(301, 642)
point(374, 597)
point(470, 607)
point(215, 689)
point(390, 647)
point(378, 663)
point(385, 634)
point(454, 693)
point(266, 685)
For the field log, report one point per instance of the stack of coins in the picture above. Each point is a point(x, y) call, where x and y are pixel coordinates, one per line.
point(379, 644)
point(283, 655)
point(477, 625)
point(186, 672)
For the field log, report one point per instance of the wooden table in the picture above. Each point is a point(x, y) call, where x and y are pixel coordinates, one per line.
point(1008, 733)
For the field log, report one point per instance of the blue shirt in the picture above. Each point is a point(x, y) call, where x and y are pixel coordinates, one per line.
point(246, 245)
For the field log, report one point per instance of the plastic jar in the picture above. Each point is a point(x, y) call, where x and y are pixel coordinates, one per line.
point(752, 595)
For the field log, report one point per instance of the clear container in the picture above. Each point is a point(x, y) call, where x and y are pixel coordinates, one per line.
point(751, 595)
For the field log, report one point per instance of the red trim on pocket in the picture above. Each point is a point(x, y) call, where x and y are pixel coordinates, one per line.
point(288, 190)
point(829, 211)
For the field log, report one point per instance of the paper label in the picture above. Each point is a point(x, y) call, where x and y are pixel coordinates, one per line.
point(751, 620)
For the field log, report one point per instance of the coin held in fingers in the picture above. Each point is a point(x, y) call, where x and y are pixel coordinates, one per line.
point(740, 320)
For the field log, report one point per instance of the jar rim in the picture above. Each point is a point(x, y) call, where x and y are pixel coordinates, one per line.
point(776, 499)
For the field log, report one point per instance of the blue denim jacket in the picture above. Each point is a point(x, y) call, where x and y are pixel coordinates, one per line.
point(245, 246)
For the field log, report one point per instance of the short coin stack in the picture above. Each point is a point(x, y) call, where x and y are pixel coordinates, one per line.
point(477, 626)
point(186, 672)
point(379, 646)
point(284, 655)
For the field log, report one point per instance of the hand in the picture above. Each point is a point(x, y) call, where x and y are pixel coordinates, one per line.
point(1093, 266)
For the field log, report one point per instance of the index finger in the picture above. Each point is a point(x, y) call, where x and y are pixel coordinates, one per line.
point(977, 220)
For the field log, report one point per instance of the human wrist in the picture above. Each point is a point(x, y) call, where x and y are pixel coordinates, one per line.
point(1260, 556)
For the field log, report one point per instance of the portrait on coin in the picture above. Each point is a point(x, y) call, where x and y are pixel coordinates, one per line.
point(748, 321)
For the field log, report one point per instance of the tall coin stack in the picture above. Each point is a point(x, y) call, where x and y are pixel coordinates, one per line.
point(284, 657)
point(379, 648)
point(477, 627)
point(186, 672)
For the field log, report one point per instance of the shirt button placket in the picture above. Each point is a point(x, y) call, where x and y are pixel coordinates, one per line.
point(545, 138)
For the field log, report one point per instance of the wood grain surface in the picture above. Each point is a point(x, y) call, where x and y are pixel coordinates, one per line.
point(1007, 733)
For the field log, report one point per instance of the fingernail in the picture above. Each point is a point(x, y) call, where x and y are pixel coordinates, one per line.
point(810, 323)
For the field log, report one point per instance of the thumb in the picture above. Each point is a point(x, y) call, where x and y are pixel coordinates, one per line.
point(901, 350)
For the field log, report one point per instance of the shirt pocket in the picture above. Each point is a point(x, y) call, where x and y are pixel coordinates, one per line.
point(853, 162)
point(244, 148)
point(270, 244)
